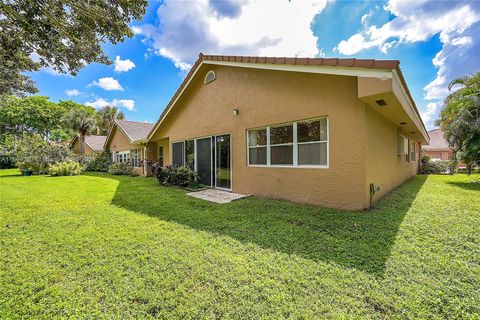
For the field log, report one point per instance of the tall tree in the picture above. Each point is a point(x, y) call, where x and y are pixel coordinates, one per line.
point(62, 34)
point(29, 115)
point(106, 116)
point(80, 118)
point(460, 119)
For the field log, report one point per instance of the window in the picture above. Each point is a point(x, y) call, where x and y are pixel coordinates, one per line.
point(178, 154)
point(190, 153)
point(312, 142)
point(297, 144)
point(406, 147)
point(135, 157)
point(412, 151)
point(257, 146)
point(160, 156)
point(209, 77)
point(281, 145)
point(123, 156)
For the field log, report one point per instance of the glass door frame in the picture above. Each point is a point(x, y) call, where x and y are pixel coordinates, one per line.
point(213, 162)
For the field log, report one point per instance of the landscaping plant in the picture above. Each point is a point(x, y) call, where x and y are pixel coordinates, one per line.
point(121, 168)
point(175, 176)
point(66, 168)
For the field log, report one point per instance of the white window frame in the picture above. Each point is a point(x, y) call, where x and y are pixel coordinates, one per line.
point(122, 156)
point(295, 146)
point(135, 157)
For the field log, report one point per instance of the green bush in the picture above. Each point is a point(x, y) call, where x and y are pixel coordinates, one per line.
point(94, 162)
point(437, 167)
point(121, 168)
point(175, 176)
point(66, 168)
point(35, 154)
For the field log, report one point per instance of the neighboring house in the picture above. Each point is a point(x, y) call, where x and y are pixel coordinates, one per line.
point(312, 130)
point(126, 143)
point(93, 144)
point(438, 148)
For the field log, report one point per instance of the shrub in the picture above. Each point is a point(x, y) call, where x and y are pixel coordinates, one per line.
point(175, 176)
point(437, 167)
point(121, 168)
point(94, 162)
point(35, 155)
point(66, 168)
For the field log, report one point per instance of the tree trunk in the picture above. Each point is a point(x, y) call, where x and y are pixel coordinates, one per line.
point(469, 167)
point(82, 143)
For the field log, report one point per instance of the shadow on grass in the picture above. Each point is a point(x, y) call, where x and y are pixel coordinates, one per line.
point(361, 239)
point(472, 185)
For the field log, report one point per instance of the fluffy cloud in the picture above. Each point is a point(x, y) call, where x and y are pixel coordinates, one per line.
point(456, 23)
point(121, 103)
point(232, 27)
point(108, 83)
point(72, 92)
point(430, 113)
point(123, 65)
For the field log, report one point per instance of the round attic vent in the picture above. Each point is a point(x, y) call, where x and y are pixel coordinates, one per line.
point(209, 77)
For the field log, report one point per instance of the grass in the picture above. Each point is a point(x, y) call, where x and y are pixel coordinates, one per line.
point(99, 246)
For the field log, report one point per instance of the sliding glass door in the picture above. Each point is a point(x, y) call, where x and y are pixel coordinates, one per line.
point(204, 160)
point(222, 162)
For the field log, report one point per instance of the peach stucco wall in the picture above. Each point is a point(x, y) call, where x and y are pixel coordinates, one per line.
point(385, 167)
point(358, 154)
point(76, 148)
point(442, 155)
point(273, 97)
point(119, 142)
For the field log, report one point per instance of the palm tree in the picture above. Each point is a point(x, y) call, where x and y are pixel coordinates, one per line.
point(106, 116)
point(80, 118)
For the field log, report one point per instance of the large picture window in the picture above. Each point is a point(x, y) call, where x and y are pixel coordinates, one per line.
point(190, 153)
point(123, 156)
point(296, 144)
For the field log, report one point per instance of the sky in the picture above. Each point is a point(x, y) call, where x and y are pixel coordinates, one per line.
point(435, 40)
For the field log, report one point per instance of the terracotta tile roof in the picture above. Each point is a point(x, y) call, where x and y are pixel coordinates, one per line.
point(437, 141)
point(332, 62)
point(95, 142)
point(134, 130)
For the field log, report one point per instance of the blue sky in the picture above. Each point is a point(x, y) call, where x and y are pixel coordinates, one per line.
point(435, 41)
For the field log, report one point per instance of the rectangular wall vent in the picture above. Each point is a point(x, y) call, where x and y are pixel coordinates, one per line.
point(381, 102)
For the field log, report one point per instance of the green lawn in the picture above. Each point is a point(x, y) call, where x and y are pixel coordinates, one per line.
point(99, 246)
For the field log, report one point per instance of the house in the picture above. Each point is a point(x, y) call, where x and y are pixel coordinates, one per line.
point(338, 133)
point(93, 144)
point(438, 148)
point(126, 142)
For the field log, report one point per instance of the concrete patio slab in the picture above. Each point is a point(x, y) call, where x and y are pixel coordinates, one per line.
point(217, 196)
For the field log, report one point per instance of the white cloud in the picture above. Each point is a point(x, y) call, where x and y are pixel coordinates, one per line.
point(252, 27)
point(430, 114)
point(72, 92)
point(413, 23)
point(123, 65)
point(125, 103)
point(458, 27)
point(121, 103)
point(108, 83)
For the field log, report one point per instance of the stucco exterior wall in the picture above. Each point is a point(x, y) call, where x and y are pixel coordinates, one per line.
point(385, 167)
point(76, 148)
point(119, 143)
point(275, 97)
point(442, 155)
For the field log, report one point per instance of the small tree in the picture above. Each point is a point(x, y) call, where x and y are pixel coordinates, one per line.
point(81, 118)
